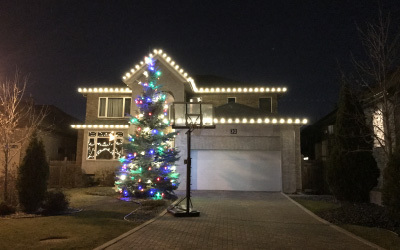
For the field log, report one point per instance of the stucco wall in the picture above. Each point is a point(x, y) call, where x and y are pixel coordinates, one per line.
point(247, 99)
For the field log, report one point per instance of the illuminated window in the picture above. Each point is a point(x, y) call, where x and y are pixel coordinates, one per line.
point(377, 123)
point(104, 145)
point(114, 107)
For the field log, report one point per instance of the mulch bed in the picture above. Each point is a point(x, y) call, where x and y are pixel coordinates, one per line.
point(362, 214)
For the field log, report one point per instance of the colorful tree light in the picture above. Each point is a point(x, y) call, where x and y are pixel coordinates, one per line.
point(148, 152)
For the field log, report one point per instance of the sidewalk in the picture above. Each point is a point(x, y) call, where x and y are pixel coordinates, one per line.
point(239, 220)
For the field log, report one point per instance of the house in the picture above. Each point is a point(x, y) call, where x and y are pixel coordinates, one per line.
point(316, 144)
point(58, 138)
point(252, 148)
point(317, 140)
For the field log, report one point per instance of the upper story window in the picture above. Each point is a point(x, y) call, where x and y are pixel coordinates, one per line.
point(114, 107)
point(265, 104)
point(196, 99)
point(231, 99)
point(104, 145)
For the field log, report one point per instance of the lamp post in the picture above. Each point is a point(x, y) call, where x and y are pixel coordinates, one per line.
point(191, 116)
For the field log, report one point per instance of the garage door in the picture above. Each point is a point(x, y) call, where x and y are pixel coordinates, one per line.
point(236, 170)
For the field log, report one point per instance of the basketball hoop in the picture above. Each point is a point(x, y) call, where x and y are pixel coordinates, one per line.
point(191, 116)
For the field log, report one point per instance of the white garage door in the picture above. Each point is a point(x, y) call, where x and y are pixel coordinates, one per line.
point(236, 170)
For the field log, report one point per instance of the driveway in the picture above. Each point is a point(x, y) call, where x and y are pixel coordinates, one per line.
point(239, 220)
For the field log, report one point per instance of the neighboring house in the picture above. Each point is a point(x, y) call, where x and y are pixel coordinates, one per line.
point(317, 141)
point(251, 149)
point(316, 144)
point(58, 138)
point(374, 109)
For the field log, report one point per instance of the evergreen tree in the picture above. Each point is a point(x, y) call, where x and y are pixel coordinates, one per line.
point(352, 170)
point(391, 186)
point(148, 165)
point(33, 174)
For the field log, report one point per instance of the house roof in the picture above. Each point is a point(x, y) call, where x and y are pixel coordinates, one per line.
point(213, 80)
point(238, 110)
point(57, 120)
point(208, 80)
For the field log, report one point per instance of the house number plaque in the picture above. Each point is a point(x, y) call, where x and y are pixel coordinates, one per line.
point(233, 131)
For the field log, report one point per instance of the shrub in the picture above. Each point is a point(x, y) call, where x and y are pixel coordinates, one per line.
point(352, 170)
point(105, 178)
point(55, 202)
point(6, 209)
point(33, 174)
point(391, 186)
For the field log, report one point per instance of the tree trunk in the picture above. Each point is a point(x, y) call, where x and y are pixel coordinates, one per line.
point(5, 194)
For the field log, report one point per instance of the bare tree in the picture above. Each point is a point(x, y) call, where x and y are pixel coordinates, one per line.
point(379, 79)
point(18, 119)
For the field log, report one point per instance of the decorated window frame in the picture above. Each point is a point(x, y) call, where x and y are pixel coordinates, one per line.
point(104, 145)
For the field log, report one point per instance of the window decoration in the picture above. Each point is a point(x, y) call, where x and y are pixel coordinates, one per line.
point(105, 145)
point(114, 107)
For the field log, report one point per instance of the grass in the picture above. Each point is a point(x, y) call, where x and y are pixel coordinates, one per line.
point(379, 236)
point(100, 221)
point(316, 206)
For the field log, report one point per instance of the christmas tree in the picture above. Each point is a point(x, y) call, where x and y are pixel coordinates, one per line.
point(147, 168)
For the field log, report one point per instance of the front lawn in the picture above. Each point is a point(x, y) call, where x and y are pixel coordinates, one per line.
point(101, 219)
point(369, 218)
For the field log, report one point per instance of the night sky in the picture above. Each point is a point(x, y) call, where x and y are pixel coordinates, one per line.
point(63, 45)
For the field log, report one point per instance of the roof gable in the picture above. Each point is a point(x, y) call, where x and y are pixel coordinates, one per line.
point(184, 76)
point(166, 60)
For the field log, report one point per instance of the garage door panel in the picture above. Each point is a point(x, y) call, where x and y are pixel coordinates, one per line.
point(236, 170)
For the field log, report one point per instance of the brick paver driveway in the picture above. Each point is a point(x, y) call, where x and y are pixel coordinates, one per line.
point(239, 220)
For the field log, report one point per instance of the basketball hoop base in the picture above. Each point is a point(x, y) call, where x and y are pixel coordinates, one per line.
point(181, 212)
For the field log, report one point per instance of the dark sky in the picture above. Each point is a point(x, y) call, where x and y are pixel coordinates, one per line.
point(63, 45)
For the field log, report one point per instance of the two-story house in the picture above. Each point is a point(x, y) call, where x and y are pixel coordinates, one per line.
point(251, 149)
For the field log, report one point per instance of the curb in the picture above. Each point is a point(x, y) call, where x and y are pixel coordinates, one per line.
point(366, 242)
point(124, 235)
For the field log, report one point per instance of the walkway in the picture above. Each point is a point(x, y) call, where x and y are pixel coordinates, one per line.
point(239, 220)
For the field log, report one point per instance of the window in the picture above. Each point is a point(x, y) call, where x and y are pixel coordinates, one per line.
point(331, 129)
point(114, 107)
point(231, 99)
point(104, 145)
point(265, 104)
point(377, 123)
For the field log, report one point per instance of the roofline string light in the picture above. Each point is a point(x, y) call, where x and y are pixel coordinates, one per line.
point(98, 126)
point(186, 76)
point(219, 121)
point(104, 90)
point(260, 121)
